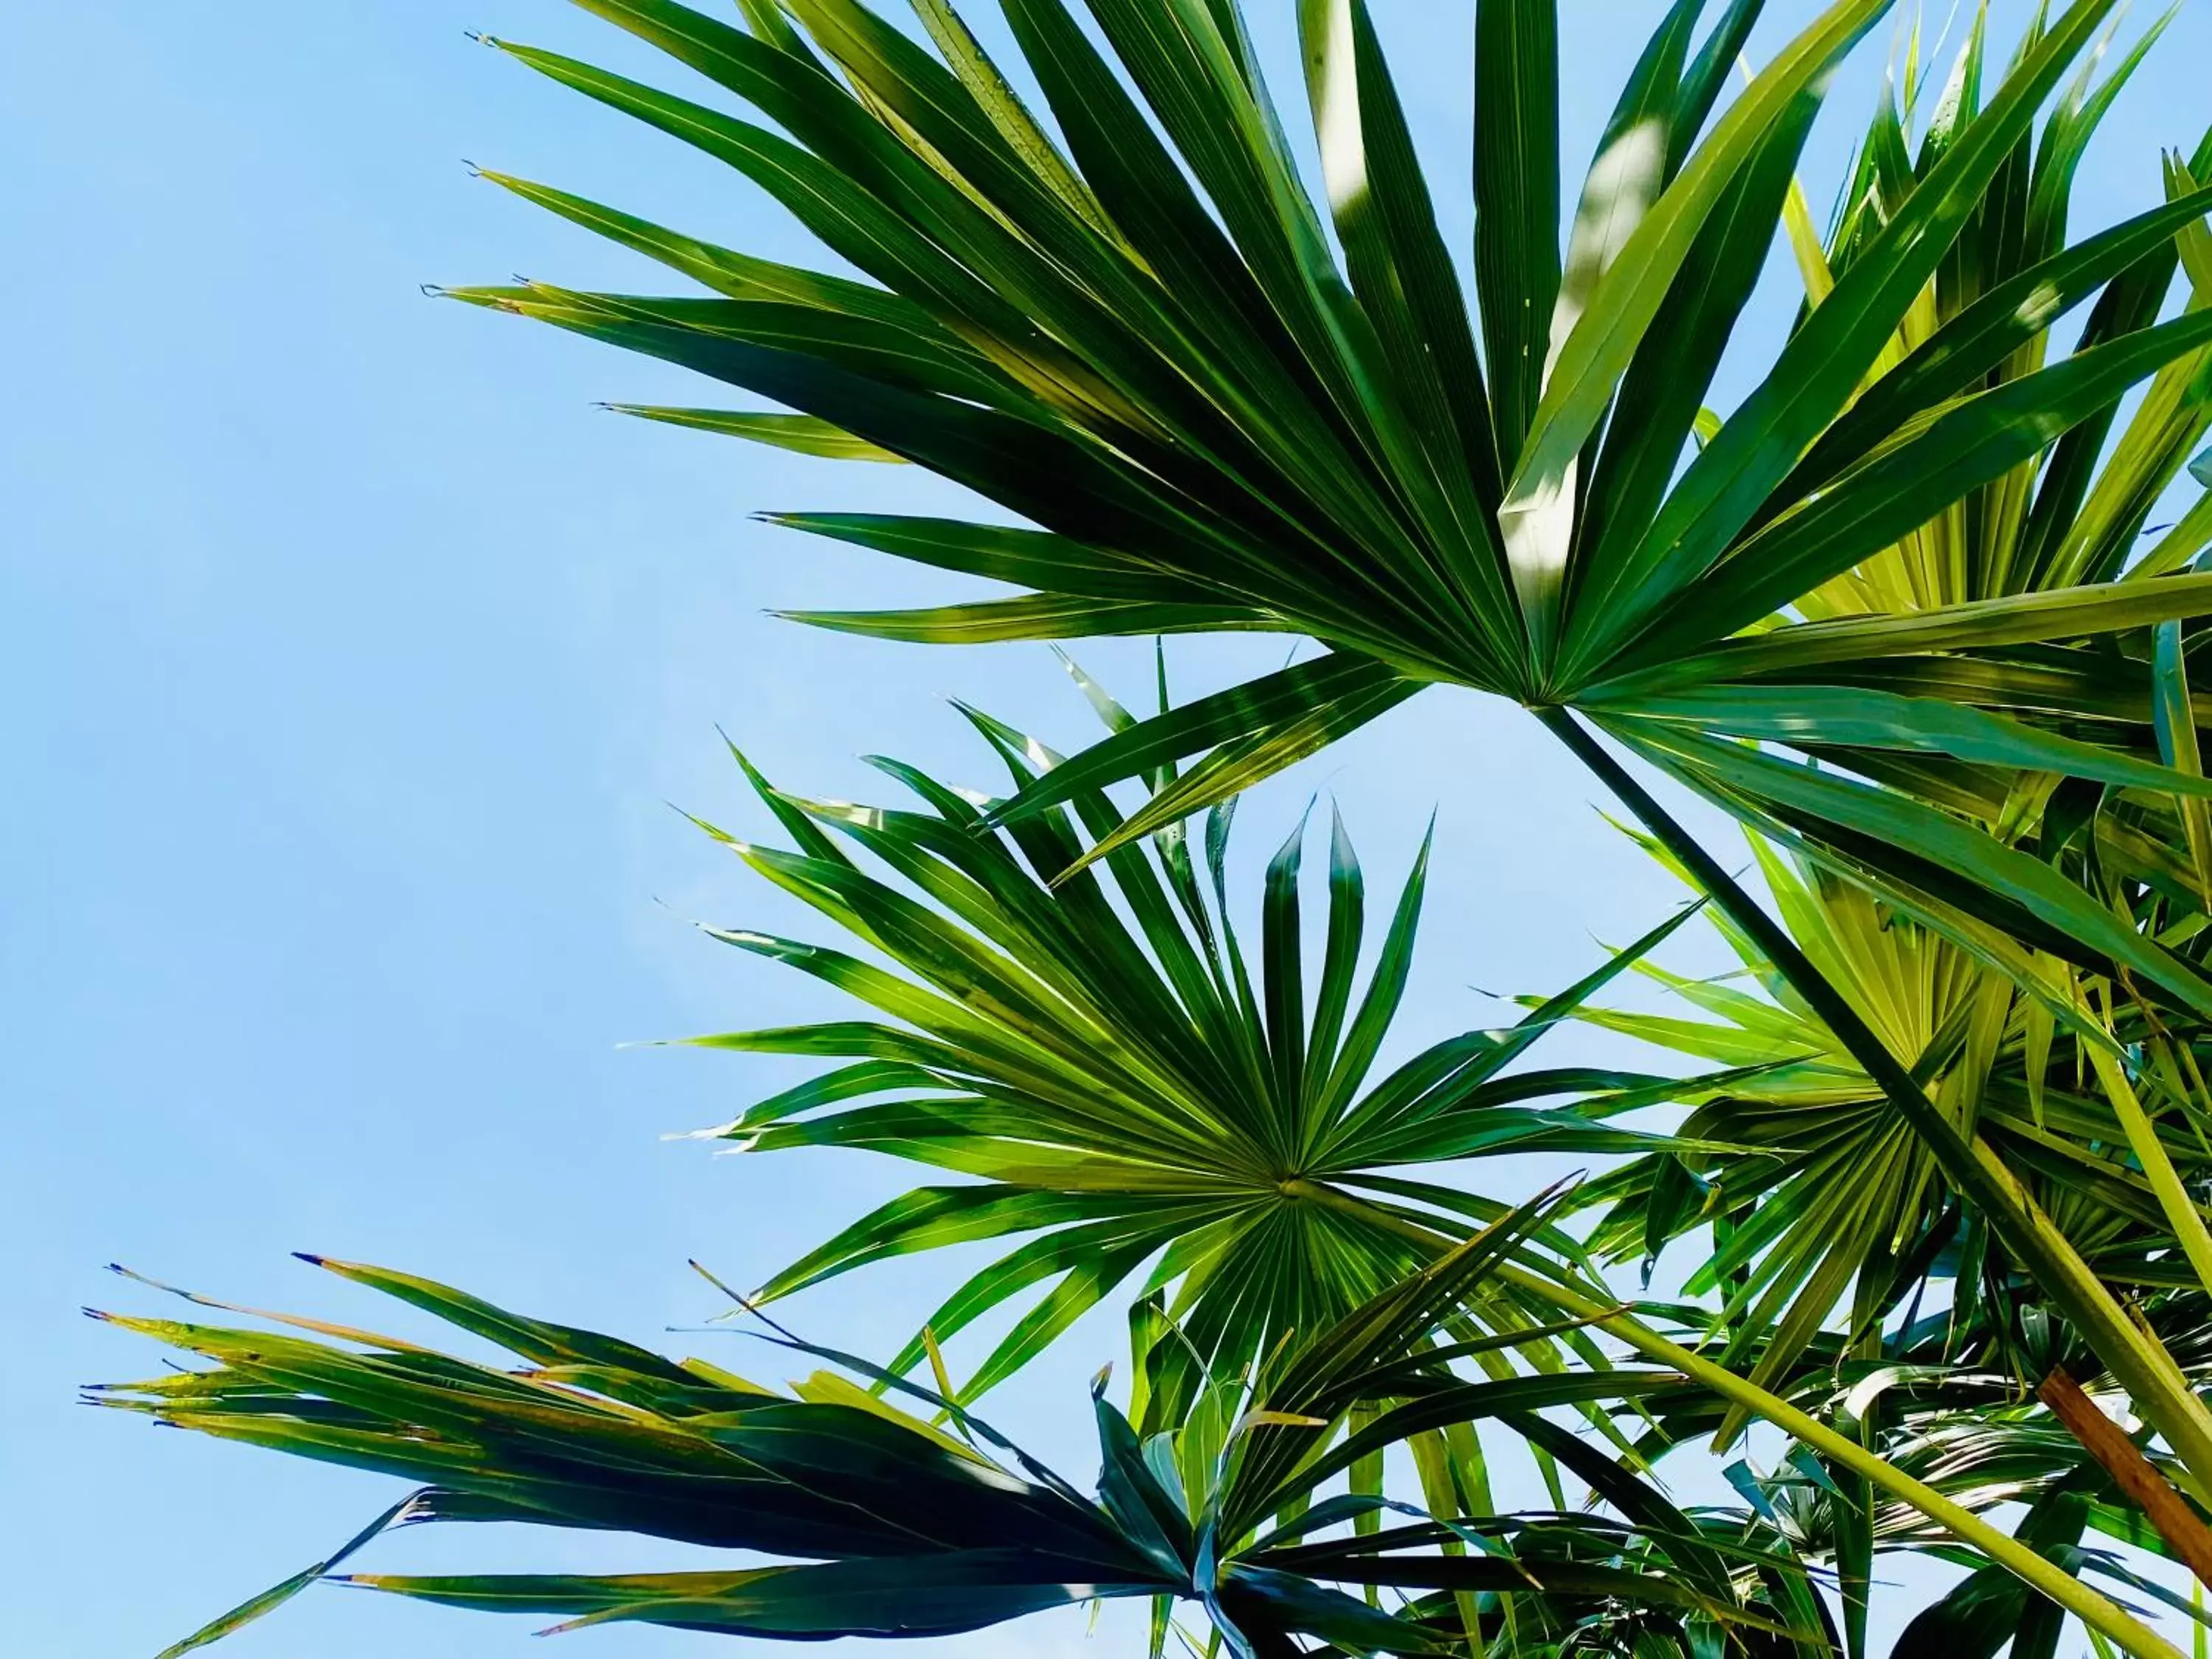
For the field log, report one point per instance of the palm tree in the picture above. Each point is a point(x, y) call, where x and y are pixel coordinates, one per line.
point(1813, 1184)
point(1144, 344)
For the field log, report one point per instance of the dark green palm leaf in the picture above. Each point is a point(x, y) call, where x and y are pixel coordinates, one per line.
point(876, 1523)
point(888, 1526)
point(1253, 439)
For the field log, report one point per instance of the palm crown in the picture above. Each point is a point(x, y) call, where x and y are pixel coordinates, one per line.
point(1146, 346)
point(1890, 611)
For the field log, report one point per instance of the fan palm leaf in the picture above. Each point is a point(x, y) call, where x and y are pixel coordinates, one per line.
point(1219, 428)
point(1138, 337)
point(1092, 309)
point(1120, 1083)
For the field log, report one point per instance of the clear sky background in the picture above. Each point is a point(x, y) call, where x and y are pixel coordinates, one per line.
point(351, 660)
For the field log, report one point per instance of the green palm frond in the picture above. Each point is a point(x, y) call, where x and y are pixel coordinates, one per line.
point(903, 1528)
point(1123, 1084)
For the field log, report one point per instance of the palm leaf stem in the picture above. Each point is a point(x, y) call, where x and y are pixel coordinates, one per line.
point(2094, 1610)
point(2149, 1376)
point(2135, 1474)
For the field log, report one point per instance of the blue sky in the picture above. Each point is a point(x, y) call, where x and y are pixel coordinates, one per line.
point(353, 659)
